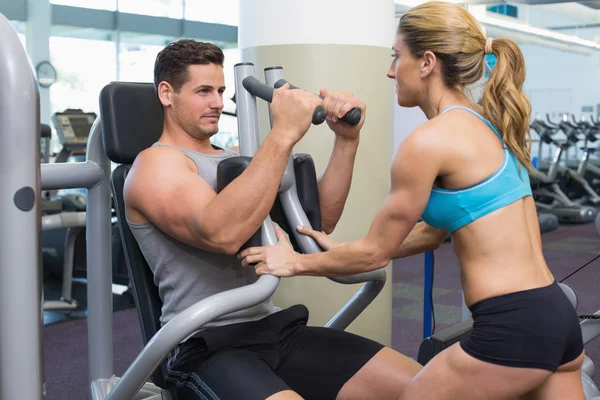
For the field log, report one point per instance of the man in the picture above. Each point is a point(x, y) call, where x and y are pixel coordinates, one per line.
point(190, 235)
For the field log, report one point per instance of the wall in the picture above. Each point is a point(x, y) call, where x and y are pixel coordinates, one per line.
point(560, 82)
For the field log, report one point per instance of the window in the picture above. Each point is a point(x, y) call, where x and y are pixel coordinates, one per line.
point(136, 61)
point(83, 67)
point(110, 5)
point(221, 12)
point(504, 9)
point(158, 8)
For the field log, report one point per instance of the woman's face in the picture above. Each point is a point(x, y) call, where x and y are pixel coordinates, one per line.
point(406, 72)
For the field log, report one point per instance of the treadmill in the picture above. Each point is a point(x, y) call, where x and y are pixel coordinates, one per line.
point(545, 184)
point(73, 127)
point(54, 217)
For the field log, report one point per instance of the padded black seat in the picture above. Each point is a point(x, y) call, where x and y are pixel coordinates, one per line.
point(132, 121)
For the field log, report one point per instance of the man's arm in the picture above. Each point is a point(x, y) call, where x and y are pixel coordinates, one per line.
point(168, 191)
point(334, 182)
point(164, 187)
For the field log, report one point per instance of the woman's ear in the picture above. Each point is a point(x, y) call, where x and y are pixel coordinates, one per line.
point(428, 63)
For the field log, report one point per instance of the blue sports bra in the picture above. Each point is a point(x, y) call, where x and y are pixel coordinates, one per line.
point(452, 209)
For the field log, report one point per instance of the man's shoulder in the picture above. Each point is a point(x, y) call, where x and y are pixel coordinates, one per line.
point(157, 162)
point(163, 157)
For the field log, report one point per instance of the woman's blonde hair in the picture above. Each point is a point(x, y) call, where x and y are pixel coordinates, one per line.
point(455, 37)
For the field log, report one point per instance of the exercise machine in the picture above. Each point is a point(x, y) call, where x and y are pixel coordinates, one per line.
point(73, 128)
point(130, 121)
point(55, 217)
point(583, 192)
point(586, 166)
point(545, 184)
point(298, 176)
point(548, 222)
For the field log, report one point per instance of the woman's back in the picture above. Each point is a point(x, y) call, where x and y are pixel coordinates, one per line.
point(500, 252)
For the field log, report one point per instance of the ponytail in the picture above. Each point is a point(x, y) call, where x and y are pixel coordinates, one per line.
point(504, 102)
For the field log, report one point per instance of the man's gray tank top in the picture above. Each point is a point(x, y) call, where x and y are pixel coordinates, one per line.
point(185, 274)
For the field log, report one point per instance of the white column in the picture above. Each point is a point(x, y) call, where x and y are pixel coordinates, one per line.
point(337, 45)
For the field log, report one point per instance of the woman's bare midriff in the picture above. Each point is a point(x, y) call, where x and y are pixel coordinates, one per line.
point(501, 253)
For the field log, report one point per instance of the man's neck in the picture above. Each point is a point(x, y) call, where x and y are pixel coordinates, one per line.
point(175, 136)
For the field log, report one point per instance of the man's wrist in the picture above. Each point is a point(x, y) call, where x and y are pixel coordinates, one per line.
point(282, 138)
point(345, 141)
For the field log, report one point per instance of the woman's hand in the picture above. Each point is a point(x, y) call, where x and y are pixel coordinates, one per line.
point(279, 260)
point(321, 238)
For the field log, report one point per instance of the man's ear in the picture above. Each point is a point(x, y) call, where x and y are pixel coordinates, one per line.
point(165, 93)
point(428, 63)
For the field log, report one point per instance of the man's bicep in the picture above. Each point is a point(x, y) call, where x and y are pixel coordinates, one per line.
point(173, 198)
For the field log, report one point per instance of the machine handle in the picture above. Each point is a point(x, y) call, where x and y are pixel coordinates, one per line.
point(352, 117)
point(259, 89)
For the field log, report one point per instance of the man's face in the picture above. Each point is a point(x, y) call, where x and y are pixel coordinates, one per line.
point(198, 104)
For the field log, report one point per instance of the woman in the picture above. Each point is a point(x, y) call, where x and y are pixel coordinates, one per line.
point(465, 173)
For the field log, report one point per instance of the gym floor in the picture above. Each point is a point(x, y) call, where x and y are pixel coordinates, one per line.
point(566, 249)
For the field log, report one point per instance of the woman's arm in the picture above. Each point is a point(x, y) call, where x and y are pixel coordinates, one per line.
point(422, 238)
point(415, 168)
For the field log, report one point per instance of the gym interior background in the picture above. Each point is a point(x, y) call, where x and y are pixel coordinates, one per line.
point(79, 46)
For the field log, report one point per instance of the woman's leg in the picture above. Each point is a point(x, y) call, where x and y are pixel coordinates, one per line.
point(453, 374)
point(565, 383)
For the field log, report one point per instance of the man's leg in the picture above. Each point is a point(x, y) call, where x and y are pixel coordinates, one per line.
point(228, 375)
point(324, 363)
point(385, 376)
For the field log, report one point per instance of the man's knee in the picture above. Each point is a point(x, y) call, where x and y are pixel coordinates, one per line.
point(384, 376)
point(285, 395)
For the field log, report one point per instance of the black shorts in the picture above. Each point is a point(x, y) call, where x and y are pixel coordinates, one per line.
point(536, 328)
point(254, 360)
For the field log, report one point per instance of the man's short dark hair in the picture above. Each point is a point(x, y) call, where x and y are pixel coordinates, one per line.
point(172, 62)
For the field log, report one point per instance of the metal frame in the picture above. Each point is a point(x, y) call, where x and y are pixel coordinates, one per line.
point(20, 213)
point(22, 178)
point(193, 318)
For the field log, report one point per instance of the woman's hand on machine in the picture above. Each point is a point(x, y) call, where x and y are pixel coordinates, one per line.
point(337, 104)
point(321, 238)
point(279, 260)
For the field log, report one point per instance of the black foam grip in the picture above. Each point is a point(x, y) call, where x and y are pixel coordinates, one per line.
point(257, 88)
point(308, 194)
point(227, 171)
point(352, 117)
point(308, 189)
point(319, 115)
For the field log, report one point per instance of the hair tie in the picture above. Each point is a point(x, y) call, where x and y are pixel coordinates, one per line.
point(488, 45)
